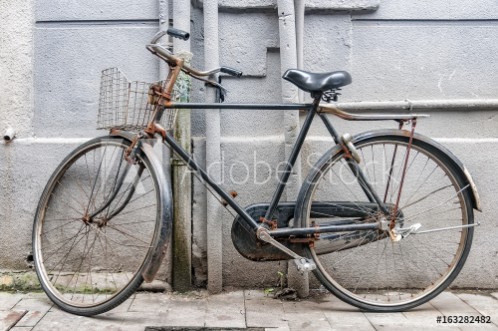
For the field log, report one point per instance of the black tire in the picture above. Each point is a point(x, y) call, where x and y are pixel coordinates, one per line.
point(367, 269)
point(88, 266)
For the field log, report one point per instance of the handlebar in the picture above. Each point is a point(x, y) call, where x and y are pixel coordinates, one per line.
point(231, 71)
point(172, 59)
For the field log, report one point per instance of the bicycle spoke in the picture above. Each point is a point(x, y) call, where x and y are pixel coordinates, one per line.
point(427, 196)
point(95, 183)
point(365, 210)
point(105, 250)
point(77, 272)
point(129, 235)
point(120, 243)
point(65, 241)
point(64, 258)
point(440, 204)
point(136, 209)
point(58, 227)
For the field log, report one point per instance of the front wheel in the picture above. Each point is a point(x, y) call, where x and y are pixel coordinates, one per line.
point(97, 224)
point(368, 269)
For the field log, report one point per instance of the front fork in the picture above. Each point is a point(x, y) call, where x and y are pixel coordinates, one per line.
point(130, 155)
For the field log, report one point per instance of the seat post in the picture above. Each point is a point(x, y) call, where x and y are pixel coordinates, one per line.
point(293, 156)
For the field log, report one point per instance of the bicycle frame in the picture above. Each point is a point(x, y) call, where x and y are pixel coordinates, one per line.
point(312, 110)
point(177, 65)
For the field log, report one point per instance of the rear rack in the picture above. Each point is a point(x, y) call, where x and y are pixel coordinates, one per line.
point(368, 116)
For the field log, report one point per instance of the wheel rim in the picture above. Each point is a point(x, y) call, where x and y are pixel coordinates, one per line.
point(86, 262)
point(380, 272)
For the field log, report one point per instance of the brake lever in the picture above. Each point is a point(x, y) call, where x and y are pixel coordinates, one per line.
point(223, 90)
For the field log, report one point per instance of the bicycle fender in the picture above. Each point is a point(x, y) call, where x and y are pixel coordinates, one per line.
point(154, 259)
point(305, 191)
point(476, 200)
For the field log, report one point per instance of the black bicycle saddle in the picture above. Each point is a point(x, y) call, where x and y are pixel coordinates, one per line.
point(317, 82)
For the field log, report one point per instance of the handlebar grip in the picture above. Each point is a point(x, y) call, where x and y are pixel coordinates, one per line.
point(231, 71)
point(177, 33)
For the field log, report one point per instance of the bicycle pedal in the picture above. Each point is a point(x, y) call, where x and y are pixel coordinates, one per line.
point(304, 264)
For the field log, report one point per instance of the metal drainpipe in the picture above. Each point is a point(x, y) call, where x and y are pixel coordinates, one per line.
point(182, 182)
point(213, 152)
point(288, 59)
point(420, 105)
point(163, 26)
point(160, 148)
point(299, 8)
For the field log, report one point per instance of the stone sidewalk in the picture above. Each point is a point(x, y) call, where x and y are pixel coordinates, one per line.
point(244, 309)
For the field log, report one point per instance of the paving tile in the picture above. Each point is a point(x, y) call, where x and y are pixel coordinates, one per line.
point(281, 328)
point(9, 318)
point(302, 306)
point(323, 302)
point(424, 314)
point(36, 309)
point(123, 307)
point(485, 305)
point(9, 300)
point(21, 328)
point(419, 327)
point(398, 321)
point(380, 320)
point(185, 311)
point(146, 301)
point(472, 327)
point(30, 319)
point(35, 303)
point(340, 320)
point(264, 311)
point(308, 321)
point(40, 295)
point(123, 321)
point(226, 310)
point(312, 314)
point(449, 305)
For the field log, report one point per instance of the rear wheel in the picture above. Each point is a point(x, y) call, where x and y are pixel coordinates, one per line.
point(367, 268)
point(97, 223)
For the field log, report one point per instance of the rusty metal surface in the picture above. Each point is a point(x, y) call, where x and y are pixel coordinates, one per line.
point(246, 242)
point(392, 223)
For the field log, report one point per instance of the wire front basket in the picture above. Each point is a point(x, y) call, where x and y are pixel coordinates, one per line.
point(129, 106)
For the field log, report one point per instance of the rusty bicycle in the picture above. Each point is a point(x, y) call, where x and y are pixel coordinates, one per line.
point(384, 219)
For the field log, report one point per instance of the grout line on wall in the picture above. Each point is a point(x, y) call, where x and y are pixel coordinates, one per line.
point(95, 23)
point(245, 139)
point(48, 140)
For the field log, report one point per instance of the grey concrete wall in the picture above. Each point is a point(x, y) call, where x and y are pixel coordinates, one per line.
point(16, 110)
point(16, 69)
point(51, 55)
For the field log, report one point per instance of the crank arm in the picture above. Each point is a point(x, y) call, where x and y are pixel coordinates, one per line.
point(303, 264)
